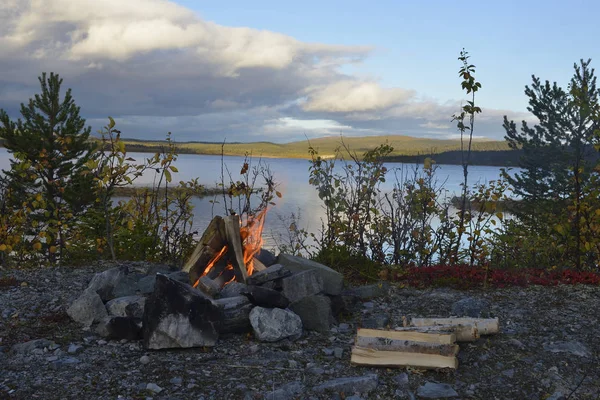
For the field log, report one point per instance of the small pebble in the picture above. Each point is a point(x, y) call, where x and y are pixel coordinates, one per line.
point(153, 387)
point(144, 360)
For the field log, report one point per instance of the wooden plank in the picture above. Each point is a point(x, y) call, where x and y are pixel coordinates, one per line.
point(464, 333)
point(383, 358)
point(234, 241)
point(406, 346)
point(211, 243)
point(441, 338)
point(485, 326)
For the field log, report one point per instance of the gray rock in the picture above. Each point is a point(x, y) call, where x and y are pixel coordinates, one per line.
point(145, 360)
point(266, 257)
point(153, 387)
point(351, 385)
point(315, 313)
point(301, 285)
point(236, 314)
point(332, 281)
point(128, 306)
point(28, 347)
point(401, 380)
point(87, 308)
point(338, 352)
point(176, 381)
point(180, 276)
point(432, 390)
point(146, 284)
point(233, 289)
point(575, 348)
point(265, 297)
point(274, 324)
point(267, 275)
point(113, 283)
point(289, 391)
point(74, 348)
point(471, 307)
point(377, 321)
point(177, 315)
point(120, 328)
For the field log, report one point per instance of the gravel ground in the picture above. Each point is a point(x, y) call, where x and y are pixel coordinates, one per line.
point(547, 349)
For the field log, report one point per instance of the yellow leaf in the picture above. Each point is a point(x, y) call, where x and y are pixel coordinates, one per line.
point(2, 247)
point(278, 194)
point(52, 249)
point(173, 168)
point(167, 175)
point(37, 246)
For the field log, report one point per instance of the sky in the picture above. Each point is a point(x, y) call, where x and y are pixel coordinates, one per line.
point(282, 71)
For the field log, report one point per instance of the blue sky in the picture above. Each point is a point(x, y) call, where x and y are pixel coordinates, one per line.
point(280, 71)
point(417, 42)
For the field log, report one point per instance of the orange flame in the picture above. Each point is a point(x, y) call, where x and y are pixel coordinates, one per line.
point(251, 228)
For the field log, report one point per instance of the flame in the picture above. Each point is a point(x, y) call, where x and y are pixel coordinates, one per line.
point(251, 231)
point(251, 228)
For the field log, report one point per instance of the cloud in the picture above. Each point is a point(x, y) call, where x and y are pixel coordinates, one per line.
point(156, 66)
point(353, 96)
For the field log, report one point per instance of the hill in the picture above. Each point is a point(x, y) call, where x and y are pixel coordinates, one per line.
point(403, 146)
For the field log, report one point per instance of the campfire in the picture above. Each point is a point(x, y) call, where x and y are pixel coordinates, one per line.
point(226, 252)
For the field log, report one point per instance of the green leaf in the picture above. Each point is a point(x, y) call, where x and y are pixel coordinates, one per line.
point(167, 175)
point(111, 123)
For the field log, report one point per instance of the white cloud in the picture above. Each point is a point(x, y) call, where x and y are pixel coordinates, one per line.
point(353, 96)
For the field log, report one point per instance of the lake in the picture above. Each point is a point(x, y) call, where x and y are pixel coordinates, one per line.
point(292, 177)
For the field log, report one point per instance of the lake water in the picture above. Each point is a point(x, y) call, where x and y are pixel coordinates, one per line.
point(292, 177)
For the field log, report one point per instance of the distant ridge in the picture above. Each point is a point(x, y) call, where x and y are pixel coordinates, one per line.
point(326, 146)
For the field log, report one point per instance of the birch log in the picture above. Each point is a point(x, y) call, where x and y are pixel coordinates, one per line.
point(485, 326)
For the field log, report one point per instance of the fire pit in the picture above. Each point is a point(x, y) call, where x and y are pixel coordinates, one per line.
point(229, 285)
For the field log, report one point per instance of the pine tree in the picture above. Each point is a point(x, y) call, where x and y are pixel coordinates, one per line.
point(558, 153)
point(50, 148)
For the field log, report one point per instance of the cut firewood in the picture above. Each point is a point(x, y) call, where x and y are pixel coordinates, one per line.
point(464, 333)
point(439, 338)
point(406, 346)
point(384, 358)
point(211, 243)
point(485, 326)
point(234, 240)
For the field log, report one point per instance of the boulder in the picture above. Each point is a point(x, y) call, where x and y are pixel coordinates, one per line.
point(87, 308)
point(274, 324)
point(301, 285)
point(233, 289)
point(265, 297)
point(266, 257)
point(113, 283)
point(236, 314)
point(177, 315)
point(128, 306)
point(315, 313)
point(332, 281)
point(267, 275)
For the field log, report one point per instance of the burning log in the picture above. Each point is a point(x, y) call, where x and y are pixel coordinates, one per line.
point(213, 242)
point(405, 348)
point(236, 253)
point(485, 326)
